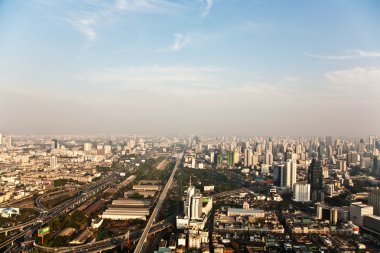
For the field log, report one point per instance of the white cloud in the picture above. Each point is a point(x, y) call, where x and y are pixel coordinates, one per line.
point(157, 78)
point(180, 41)
point(361, 78)
point(87, 22)
point(350, 54)
point(207, 5)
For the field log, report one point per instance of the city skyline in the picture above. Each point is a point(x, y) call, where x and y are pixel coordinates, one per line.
point(260, 68)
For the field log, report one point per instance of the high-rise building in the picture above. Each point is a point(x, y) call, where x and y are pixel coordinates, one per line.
point(54, 144)
point(53, 163)
point(212, 157)
point(87, 146)
point(289, 176)
point(374, 200)
point(230, 158)
point(318, 211)
point(196, 207)
point(353, 158)
point(236, 156)
point(334, 215)
point(248, 157)
point(342, 165)
point(268, 158)
point(315, 179)
point(1, 138)
point(371, 141)
point(107, 149)
point(301, 192)
point(376, 165)
point(361, 146)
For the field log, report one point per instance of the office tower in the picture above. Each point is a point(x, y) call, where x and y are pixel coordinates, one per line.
point(236, 156)
point(196, 206)
point(107, 149)
point(371, 141)
point(277, 174)
point(53, 163)
point(361, 147)
point(258, 149)
point(334, 215)
point(352, 158)
point(1, 138)
point(301, 192)
point(374, 200)
point(376, 165)
point(315, 179)
point(321, 151)
point(270, 147)
point(87, 146)
point(358, 210)
point(329, 189)
point(299, 149)
point(54, 144)
point(268, 158)
point(230, 158)
point(289, 174)
point(342, 165)
point(255, 160)
point(318, 211)
point(219, 160)
point(193, 162)
point(212, 157)
point(325, 172)
point(248, 157)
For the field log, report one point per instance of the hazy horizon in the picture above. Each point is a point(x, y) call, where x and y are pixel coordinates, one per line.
point(209, 67)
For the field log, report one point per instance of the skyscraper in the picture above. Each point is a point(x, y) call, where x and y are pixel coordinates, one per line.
point(315, 179)
point(291, 166)
point(53, 163)
point(248, 157)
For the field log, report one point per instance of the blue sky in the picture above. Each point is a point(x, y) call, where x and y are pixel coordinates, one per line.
point(257, 67)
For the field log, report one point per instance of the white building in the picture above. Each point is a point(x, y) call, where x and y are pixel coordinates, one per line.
point(87, 146)
point(301, 192)
point(53, 163)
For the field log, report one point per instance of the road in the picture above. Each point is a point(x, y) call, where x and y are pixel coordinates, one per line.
point(44, 218)
point(158, 206)
point(111, 242)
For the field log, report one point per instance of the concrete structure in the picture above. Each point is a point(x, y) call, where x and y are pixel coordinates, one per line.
point(245, 212)
point(374, 200)
point(117, 213)
point(358, 210)
point(141, 187)
point(301, 192)
point(372, 222)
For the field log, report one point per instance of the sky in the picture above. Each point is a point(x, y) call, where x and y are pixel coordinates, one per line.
point(212, 67)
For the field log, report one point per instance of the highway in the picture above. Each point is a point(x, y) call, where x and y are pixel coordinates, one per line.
point(46, 217)
point(111, 242)
point(157, 208)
